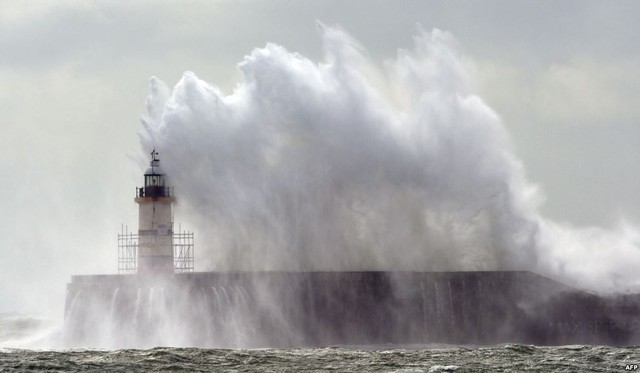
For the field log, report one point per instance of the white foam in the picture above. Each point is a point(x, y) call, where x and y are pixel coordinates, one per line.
point(343, 165)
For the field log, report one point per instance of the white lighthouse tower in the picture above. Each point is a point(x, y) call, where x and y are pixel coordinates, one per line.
point(156, 248)
point(155, 222)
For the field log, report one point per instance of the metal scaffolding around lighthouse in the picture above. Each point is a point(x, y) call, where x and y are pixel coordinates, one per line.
point(156, 248)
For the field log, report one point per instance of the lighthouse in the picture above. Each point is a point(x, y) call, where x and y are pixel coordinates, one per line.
point(157, 248)
point(155, 221)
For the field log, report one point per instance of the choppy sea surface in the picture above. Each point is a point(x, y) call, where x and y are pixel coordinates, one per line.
point(29, 344)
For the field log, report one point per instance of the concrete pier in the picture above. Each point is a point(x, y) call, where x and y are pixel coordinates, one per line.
point(303, 309)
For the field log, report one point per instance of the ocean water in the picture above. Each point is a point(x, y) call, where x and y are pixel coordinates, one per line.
point(508, 358)
point(31, 344)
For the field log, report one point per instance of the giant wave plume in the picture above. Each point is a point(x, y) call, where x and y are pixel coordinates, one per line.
point(349, 164)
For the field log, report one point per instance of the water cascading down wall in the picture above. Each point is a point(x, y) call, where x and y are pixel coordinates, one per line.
point(296, 309)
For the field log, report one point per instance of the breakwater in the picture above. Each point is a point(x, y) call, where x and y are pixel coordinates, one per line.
point(296, 309)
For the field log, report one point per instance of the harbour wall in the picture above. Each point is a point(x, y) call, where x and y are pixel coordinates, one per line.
point(309, 309)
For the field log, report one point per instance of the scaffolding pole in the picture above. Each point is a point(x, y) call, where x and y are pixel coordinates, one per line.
point(183, 251)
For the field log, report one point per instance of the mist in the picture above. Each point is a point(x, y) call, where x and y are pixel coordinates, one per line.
point(347, 164)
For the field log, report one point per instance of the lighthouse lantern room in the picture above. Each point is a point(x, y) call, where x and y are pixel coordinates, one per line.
point(156, 248)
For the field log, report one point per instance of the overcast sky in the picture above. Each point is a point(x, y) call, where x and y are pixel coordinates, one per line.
point(563, 76)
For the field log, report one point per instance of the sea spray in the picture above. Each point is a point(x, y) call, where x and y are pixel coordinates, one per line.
point(346, 165)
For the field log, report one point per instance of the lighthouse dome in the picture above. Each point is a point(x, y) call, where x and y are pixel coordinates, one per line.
point(155, 170)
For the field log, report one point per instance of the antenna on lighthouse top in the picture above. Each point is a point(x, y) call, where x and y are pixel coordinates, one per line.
point(155, 162)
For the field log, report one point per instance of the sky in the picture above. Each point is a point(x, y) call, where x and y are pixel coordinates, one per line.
point(563, 76)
